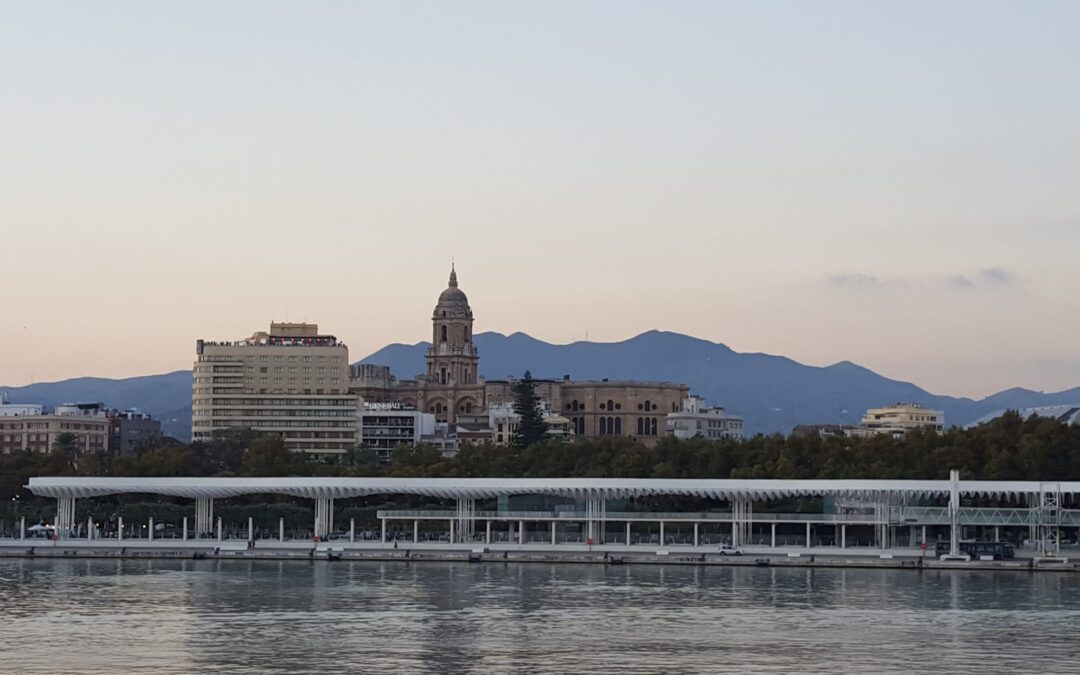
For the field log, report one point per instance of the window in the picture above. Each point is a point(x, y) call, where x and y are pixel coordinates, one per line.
point(618, 426)
point(443, 334)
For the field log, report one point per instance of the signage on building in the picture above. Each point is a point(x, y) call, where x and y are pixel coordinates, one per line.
point(386, 405)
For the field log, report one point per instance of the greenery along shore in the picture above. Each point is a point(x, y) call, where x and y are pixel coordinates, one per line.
point(1007, 449)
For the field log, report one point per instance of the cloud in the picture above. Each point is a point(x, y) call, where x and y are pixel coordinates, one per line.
point(986, 278)
point(990, 277)
point(861, 281)
point(959, 282)
point(995, 276)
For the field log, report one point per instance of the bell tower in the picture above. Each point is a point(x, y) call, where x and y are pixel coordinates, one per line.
point(452, 358)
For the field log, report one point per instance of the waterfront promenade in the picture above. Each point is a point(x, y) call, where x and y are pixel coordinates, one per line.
point(858, 520)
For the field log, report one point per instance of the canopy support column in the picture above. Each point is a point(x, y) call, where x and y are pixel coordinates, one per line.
point(742, 513)
point(204, 517)
point(65, 516)
point(595, 518)
point(324, 516)
point(466, 514)
point(954, 513)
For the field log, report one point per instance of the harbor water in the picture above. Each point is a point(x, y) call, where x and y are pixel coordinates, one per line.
point(83, 616)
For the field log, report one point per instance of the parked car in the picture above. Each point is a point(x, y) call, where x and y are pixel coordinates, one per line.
point(727, 549)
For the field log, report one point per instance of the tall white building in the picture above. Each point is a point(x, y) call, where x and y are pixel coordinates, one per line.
point(696, 420)
point(292, 381)
point(385, 426)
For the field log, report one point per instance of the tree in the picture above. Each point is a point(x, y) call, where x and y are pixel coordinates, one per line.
point(66, 449)
point(268, 456)
point(531, 427)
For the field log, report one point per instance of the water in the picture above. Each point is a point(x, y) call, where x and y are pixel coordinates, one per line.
point(104, 616)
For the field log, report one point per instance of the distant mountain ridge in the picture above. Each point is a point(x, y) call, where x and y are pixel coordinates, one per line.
point(773, 393)
point(167, 397)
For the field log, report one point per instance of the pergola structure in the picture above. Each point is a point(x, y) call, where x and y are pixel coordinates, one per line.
point(893, 502)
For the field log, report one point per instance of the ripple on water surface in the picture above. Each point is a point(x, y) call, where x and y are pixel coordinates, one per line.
point(96, 616)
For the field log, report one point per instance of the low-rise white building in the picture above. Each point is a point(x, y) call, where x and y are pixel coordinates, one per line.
point(900, 418)
point(696, 420)
point(19, 409)
point(504, 422)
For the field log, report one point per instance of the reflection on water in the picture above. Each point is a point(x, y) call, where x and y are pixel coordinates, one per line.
point(97, 616)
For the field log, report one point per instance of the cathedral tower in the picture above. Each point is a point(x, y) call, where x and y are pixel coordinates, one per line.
point(452, 358)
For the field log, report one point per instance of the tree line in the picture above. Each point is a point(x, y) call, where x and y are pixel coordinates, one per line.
point(1010, 448)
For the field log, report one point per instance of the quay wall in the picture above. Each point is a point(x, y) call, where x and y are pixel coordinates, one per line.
point(595, 555)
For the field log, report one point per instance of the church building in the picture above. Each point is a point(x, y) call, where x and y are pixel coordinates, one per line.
point(451, 386)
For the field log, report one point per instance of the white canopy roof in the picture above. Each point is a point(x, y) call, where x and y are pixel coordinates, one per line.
point(479, 488)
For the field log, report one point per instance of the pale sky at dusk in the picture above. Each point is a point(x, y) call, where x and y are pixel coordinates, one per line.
point(896, 185)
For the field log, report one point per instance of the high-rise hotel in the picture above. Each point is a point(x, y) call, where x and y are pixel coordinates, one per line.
point(291, 381)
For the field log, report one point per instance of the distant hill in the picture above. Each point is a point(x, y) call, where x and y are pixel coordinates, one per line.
point(773, 393)
point(167, 397)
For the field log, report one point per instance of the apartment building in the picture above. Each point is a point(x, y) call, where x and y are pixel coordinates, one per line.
point(26, 427)
point(384, 427)
point(291, 381)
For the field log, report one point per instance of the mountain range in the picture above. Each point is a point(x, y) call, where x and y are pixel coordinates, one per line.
point(772, 393)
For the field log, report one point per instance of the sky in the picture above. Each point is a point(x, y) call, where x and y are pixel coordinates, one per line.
point(894, 184)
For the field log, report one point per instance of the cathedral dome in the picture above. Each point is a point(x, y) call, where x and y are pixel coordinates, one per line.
point(453, 296)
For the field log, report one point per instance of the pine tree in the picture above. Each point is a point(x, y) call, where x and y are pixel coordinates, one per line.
point(531, 427)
